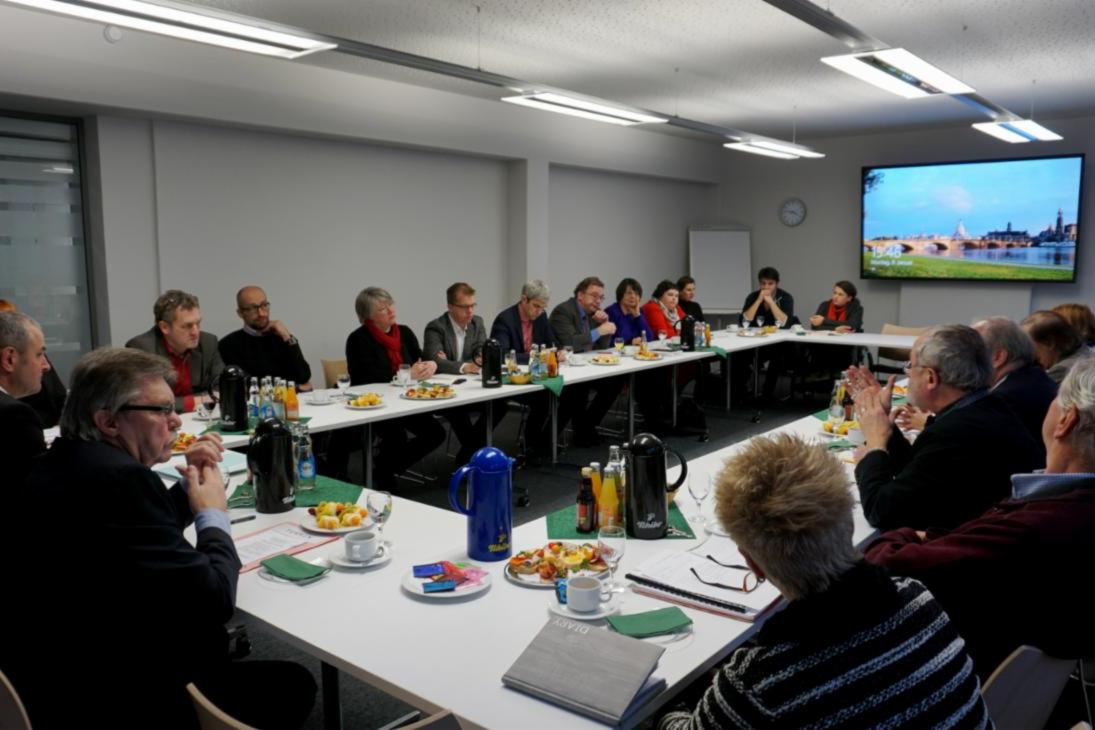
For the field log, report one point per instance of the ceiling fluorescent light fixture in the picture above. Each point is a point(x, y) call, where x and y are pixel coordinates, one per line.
point(178, 22)
point(786, 147)
point(757, 150)
point(584, 108)
point(1018, 131)
point(899, 72)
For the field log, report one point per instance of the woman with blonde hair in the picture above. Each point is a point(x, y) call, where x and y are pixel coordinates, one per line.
point(853, 647)
point(1081, 318)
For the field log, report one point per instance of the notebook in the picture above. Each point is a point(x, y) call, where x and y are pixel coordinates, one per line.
point(598, 673)
point(668, 576)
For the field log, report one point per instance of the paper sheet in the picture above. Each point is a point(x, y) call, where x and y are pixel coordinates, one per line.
point(284, 538)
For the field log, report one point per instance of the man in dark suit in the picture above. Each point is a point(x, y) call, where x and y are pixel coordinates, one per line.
point(962, 462)
point(177, 336)
point(22, 365)
point(525, 324)
point(1017, 377)
point(581, 323)
point(152, 606)
point(455, 342)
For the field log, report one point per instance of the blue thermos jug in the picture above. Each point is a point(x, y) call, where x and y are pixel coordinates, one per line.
point(490, 503)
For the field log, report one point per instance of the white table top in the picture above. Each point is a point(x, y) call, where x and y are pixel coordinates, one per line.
point(452, 654)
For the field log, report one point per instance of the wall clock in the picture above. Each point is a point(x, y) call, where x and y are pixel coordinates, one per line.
point(792, 212)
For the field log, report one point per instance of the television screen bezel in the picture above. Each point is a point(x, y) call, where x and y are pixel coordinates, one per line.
point(1079, 219)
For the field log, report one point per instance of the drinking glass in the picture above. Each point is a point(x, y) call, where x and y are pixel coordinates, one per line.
point(207, 408)
point(619, 344)
point(343, 383)
point(699, 489)
point(403, 377)
point(661, 338)
point(511, 362)
point(380, 509)
point(760, 320)
point(612, 542)
point(568, 350)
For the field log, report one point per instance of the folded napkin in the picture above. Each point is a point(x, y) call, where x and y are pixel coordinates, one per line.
point(290, 568)
point(650, 623)
point(839, 445)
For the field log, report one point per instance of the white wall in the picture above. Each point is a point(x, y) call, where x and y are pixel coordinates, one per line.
point(612, 226)
point(825, 248)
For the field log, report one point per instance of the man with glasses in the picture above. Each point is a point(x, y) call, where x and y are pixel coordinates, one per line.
point(525, 324)
point(177, 335)
point(264, 346)
point(1033, 544)
point(962, 461)
point(581, 323)
point(853, 647)
point(455, 342)
point(147, 605)
point(22, 364)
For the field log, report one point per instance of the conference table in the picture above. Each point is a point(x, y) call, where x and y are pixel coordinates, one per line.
point(451, 654)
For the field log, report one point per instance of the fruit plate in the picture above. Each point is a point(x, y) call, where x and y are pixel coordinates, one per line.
point(308, 524)
point(532, 559)
point(364, 408)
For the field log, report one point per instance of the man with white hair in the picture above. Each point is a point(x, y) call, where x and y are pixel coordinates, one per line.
point(22, 364)
point(146, 607)
point(963, 459)
point(1016, 375)
point(1014, 575)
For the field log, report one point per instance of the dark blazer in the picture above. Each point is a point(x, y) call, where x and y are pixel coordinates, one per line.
point(784, 301)
point(50, 400)
point(507, 330)
point(960, 465)
point(205, 359)
point(854, 318)
point(572, 329)
point(367, 360)
point(20, 439)
point(149, 607)
point(441, 337)
point(1029, 391)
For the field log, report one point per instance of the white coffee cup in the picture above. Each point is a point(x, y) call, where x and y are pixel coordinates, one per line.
point(733, 328)
point(855, 436)
point(320, 397)
point(796, 327)
point(577, 359)
point(585, 594)
point(630, 350)
point(361, 545)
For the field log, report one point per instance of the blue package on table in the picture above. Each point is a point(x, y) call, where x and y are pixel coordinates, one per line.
point(428, 570)
point(561, 590)
point(439, 586)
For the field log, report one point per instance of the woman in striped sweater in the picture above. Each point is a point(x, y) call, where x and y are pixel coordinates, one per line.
point(853, 648)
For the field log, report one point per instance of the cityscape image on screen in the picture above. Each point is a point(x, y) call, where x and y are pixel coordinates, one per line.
point(999, 220)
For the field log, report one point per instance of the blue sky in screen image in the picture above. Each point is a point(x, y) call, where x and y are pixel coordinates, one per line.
point(985, 196)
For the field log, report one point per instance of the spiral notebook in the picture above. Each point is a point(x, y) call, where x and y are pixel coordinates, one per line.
point(669, 576)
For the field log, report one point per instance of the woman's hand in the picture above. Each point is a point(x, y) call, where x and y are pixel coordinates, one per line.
point(816, 320)
point(423, 369)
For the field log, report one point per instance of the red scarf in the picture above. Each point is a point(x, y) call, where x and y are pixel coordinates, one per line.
point(839, 315)
point(390, 341)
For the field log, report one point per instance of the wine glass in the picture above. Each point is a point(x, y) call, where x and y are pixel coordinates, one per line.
point(343, 383)
point(619, 344)
point(380, 509)
point(208, 405)
point(699, 489)
point(661, 338)
point(761, 321)
point(568, 350)
point(612, 542)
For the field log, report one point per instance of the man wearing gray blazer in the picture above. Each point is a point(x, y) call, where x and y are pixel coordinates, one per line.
point(581, 323)
point(455, 342)
point(177, 336)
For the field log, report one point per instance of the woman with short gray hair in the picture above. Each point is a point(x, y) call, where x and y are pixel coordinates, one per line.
point(787, 505)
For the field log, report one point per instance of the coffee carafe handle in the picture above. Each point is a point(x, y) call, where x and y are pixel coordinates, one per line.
point(684, 470)
point(454, 488)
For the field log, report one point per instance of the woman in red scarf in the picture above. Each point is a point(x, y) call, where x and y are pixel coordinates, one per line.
point(842, 312)
point(374, 353)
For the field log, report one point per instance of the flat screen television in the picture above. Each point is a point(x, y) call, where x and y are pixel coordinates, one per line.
point(990, 220)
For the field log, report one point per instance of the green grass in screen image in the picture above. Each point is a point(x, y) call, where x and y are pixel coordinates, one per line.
point(934, 267)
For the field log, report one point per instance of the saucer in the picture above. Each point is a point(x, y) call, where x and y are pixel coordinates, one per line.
point(383, 557)
point(313, 402)
point(606, 609)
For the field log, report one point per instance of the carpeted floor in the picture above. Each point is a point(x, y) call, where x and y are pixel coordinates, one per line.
point(550, 487)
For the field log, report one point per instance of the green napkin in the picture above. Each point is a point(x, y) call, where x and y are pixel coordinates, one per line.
point(327, 490)
point(251, 423)
point(650, 623)
point(720, 351)
point(290, 568)
point(839, 445)
point(561, 525)
point(555, 385)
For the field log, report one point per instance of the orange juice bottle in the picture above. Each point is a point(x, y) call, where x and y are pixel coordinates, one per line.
point(595, 475)
point(292, 403)
point(552, 364)
point(707, 335)
point(608, 506)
